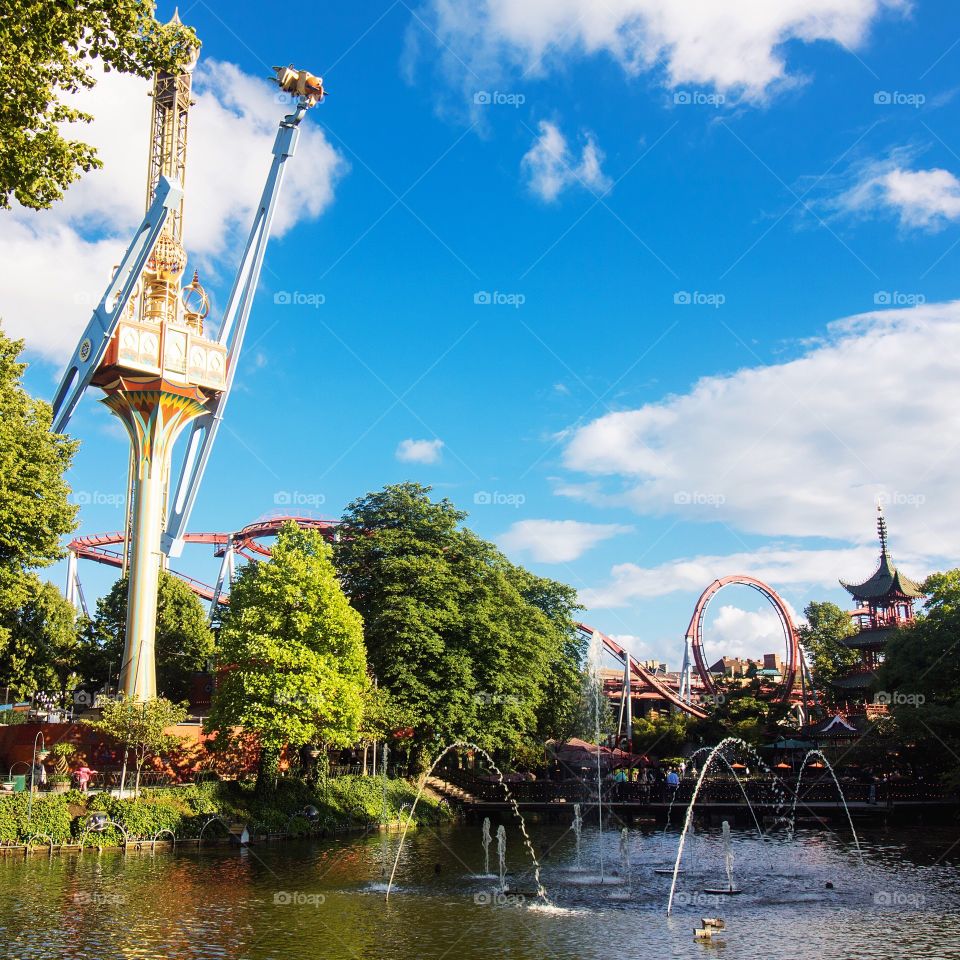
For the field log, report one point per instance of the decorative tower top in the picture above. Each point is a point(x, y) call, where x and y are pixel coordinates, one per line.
point(882, 528)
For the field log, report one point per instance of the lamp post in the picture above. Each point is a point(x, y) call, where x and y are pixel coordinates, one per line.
point(33, 770)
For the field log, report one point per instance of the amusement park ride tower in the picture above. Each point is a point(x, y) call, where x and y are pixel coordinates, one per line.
point(146, 348)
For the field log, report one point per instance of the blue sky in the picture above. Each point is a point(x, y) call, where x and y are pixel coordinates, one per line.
point(596, 270)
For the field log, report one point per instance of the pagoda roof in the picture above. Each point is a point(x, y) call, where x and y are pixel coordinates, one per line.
point(887, 580)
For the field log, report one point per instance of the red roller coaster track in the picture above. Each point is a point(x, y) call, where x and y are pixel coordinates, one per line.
point(643, 675)
point(245, 542)
point(695, 632)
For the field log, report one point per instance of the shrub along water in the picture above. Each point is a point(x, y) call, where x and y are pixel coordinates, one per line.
point(343, 803)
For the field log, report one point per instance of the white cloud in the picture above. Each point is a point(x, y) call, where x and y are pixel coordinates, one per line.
point(550, 166)
point(64, 255)
point(419, 451)
point(737, 46)
point(734, 632)
point(921, 198)
point(804, 448)
point(557, 541)
point(783, 568)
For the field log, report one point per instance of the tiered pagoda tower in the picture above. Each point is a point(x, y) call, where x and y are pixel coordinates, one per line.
point(886, 602)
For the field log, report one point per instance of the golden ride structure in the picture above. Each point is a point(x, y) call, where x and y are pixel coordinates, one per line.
point(146, 348)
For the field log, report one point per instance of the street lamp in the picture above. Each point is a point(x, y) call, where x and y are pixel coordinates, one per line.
point(309, 813)
point(33, 769)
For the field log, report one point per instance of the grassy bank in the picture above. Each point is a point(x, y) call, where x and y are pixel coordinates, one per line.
point(343, 803)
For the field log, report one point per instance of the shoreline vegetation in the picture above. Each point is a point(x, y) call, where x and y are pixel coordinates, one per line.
point(343, 805)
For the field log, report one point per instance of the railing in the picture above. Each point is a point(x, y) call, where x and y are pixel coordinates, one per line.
point(714, 790)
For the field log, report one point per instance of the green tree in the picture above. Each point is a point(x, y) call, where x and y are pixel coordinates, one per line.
point(468, 644)
point(921, 676)
point(43, 650)
point(184, 642)
point(822, 639)
point(291, 646)
point(47, 50)
point(140, 725)
point(34, 510)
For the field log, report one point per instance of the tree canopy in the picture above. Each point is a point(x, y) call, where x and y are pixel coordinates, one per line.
point(291, 652)
point(822, 640)
point(471, 645)
point(920, 675)
point(34, 515)
point(47, 51)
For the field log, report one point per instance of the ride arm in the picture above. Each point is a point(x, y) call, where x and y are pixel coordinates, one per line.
point(232, 331)
point(93, 344)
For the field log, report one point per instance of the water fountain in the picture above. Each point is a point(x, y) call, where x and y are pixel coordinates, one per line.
point(593, 667)
point(625, 855)
point(502, 857)
point(843, 799)
point(485, 840)
point(716, 751)
point(467, 745)
point(727, 864)
point(577, 831)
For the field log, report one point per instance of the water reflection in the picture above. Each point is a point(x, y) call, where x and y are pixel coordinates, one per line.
point(325, 900)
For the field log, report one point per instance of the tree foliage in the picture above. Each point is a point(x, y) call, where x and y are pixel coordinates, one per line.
point(47, 51)
point(140, 725)
point(920, 676)
point(291, 652)
point(821, 638)
point(470, 645)
point(184, 643)
point(34, 515)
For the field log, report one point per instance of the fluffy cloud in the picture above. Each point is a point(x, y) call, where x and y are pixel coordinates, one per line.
point(64, 256)
point(557, 541)
point(804, 448)
point(734, 632)
point(419, 451)
point(550, 166)
point(784, 568)
point(926, 199)
point(737, 46)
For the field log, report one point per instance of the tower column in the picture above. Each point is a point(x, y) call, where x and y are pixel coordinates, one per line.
point(154, 413)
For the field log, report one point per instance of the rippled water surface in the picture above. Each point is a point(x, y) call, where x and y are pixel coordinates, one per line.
point(325, 899)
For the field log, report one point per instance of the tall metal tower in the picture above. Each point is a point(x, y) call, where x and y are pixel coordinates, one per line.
point(159, 373)
point(145, 347)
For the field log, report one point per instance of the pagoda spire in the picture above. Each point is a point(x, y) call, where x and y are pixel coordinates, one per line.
point(882, 529)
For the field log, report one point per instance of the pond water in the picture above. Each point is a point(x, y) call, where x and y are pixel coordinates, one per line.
point(326, 899)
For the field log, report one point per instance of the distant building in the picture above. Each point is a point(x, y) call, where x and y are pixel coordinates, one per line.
point(886, 602)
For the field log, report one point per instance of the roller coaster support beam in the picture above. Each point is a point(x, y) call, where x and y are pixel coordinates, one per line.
point(93, 344)
point(232, 330)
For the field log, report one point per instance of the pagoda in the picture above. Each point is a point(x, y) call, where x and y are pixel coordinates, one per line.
point(885, 603)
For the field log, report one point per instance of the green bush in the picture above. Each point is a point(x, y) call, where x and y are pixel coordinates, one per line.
point(50, 816)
